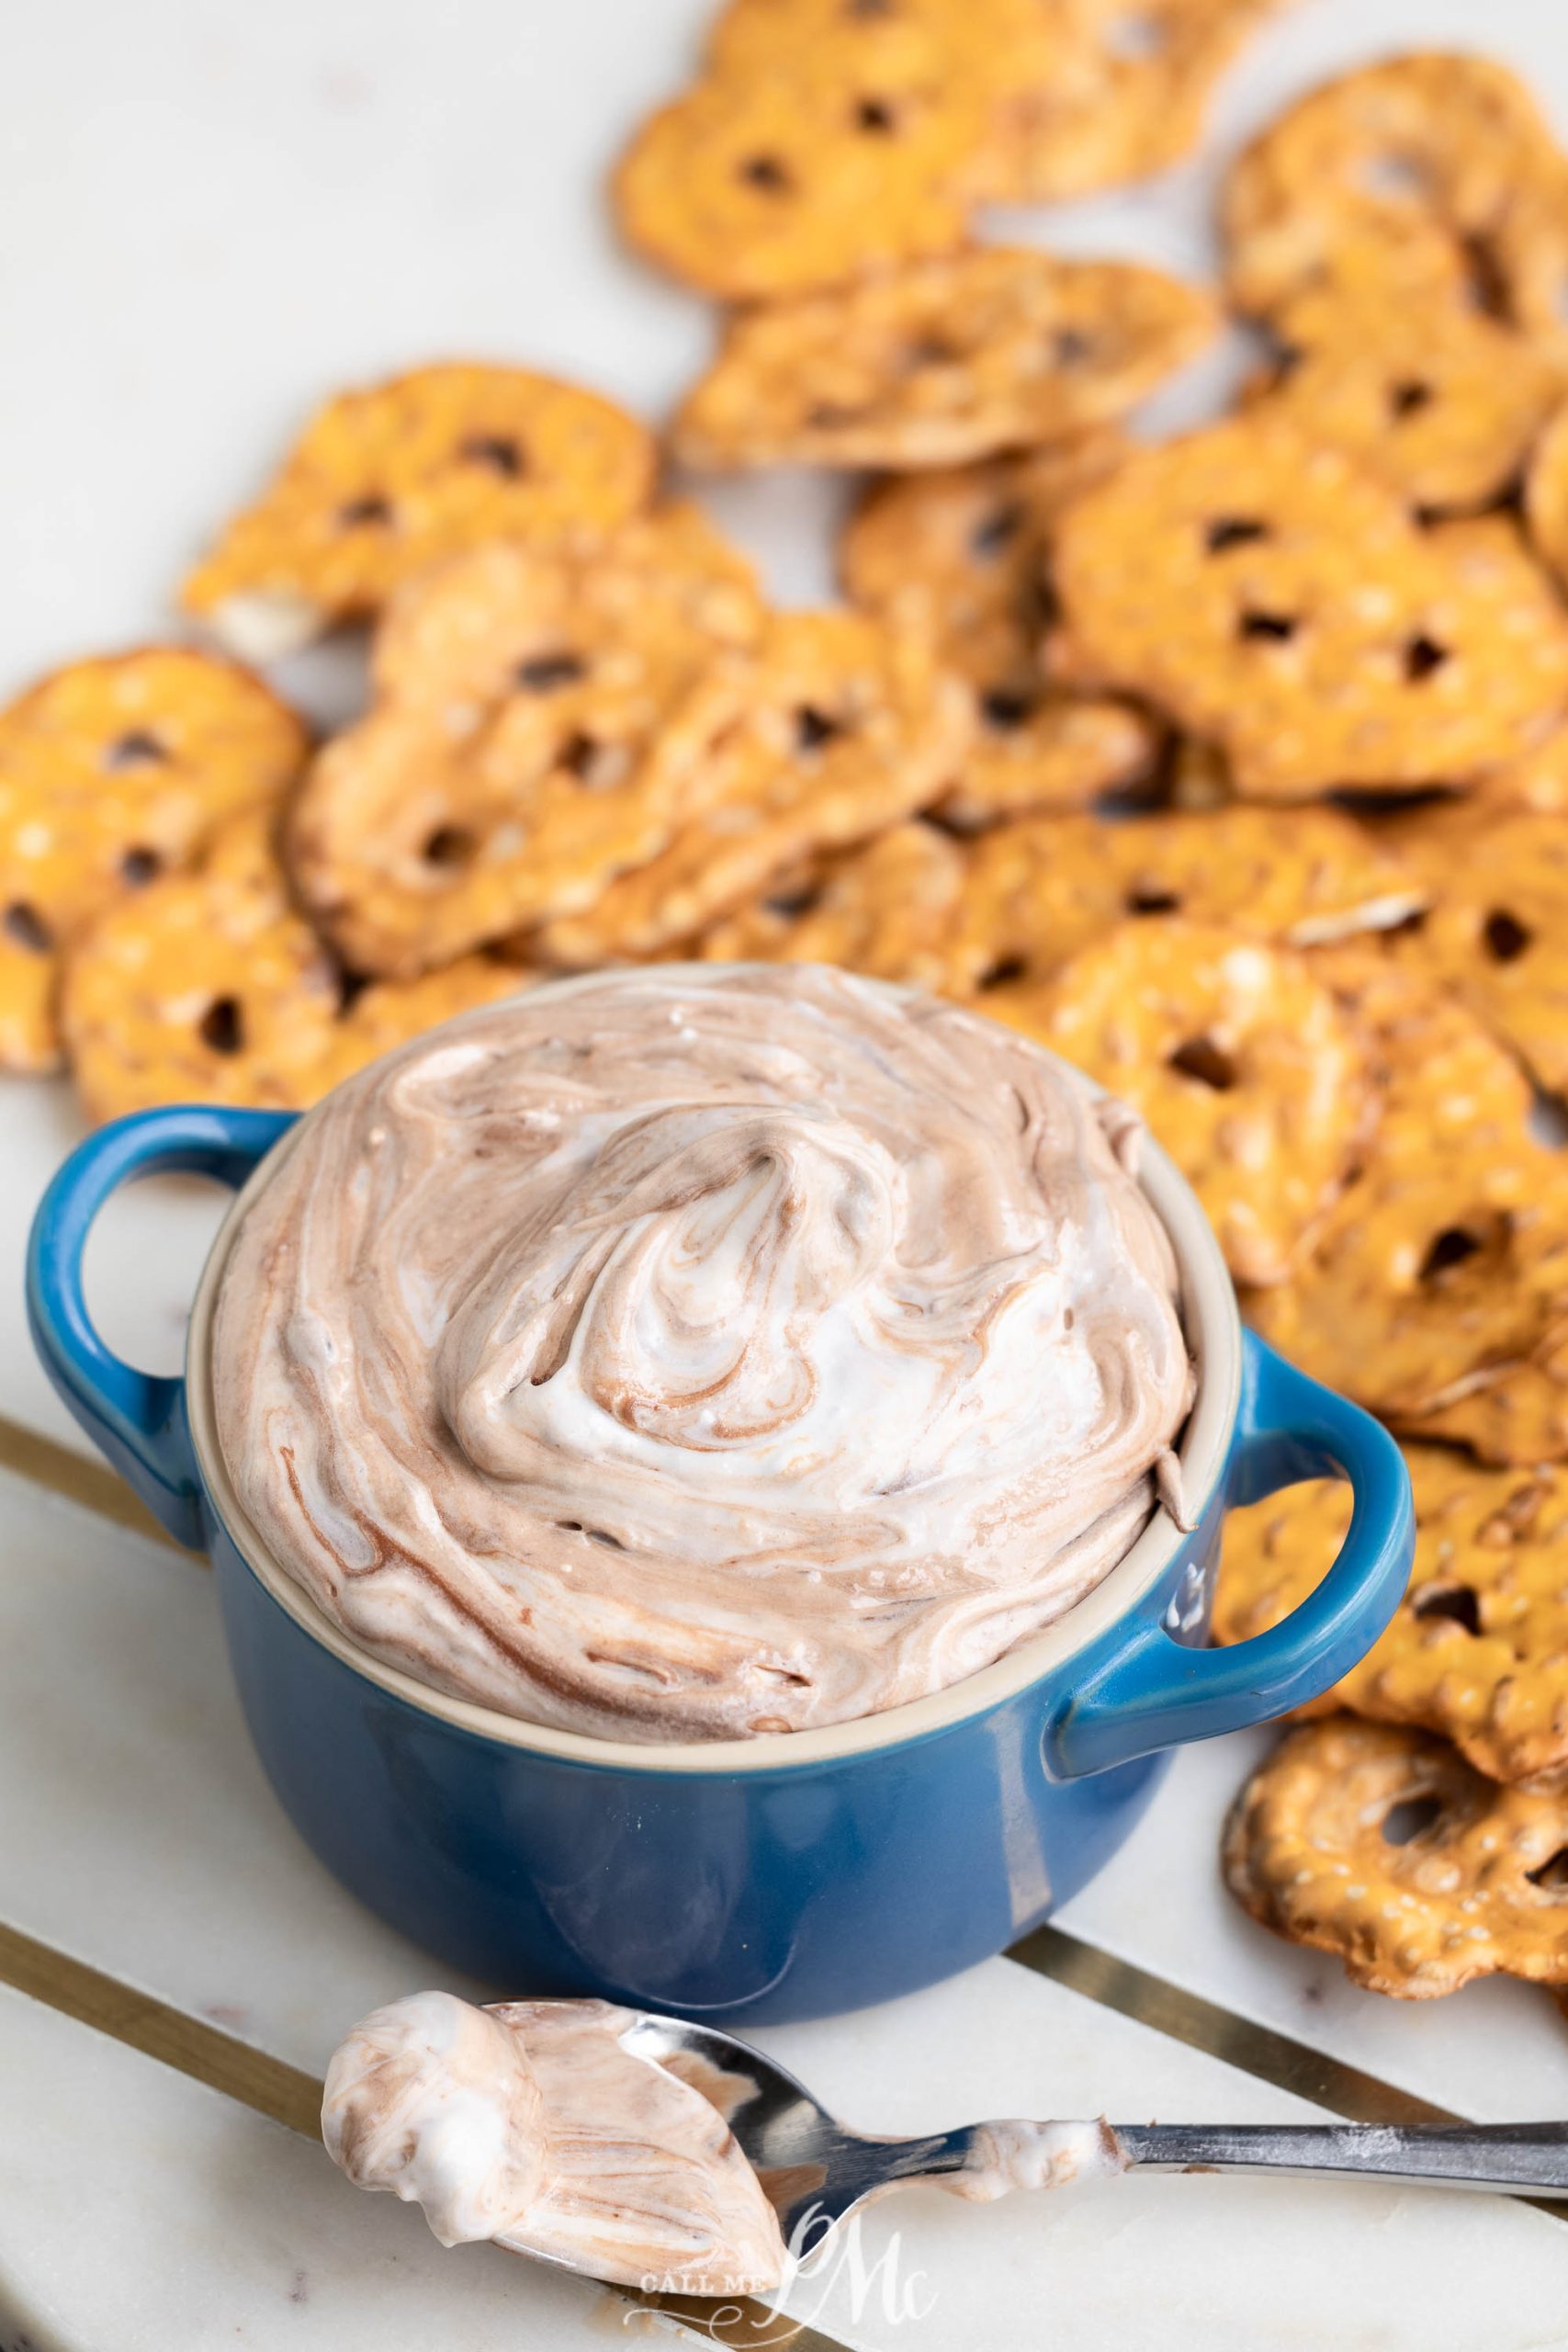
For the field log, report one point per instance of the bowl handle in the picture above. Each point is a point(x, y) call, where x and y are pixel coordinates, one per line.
point(136, 1418)
point(1138, 1689)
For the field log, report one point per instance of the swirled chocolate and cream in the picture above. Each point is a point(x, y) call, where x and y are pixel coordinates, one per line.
point(694, 1352)
point(529, 2124)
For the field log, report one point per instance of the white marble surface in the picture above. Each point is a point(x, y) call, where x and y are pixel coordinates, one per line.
point(163, 1793)
point(192, 2222)
point(137, 1832)
point(212, 215)
point(1497, 2052)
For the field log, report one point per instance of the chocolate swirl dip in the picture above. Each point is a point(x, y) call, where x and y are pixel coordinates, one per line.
point(692, 1352)
point(529, 2124)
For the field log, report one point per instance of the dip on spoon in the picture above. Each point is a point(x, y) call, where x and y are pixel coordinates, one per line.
point(529, 2124)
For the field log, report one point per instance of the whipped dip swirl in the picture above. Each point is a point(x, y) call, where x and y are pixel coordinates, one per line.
point(692, 1352)
point(1008, 2156)
point(529, 2124)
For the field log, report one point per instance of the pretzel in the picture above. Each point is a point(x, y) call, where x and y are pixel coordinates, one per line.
point(1451, 1095)
point(205, 988)
point(1273, 596)
point(986, 43)
point(1435, 836)
point(208, 987)
point(1475, 1650)
point(1242, 1062)
point(886, 909)
point(1036, 751)
point(1124, 93)
point(499, 777)
point(834, 728)
point(389, 1012)
point(386, 480)
point(1538, 779)
point(1198, 777)
point(1437, 1291)
point(1438, 826)
point(1518, 1414)
point(29, 973)
point(1443, 401)
point(1546, 495)
point(1428, 176)
point(1382, 1845)
point(1498, 931)
point(963, 552)
point(1040, 892)
point(812, 172)
point(940, 361)
point(113, 771)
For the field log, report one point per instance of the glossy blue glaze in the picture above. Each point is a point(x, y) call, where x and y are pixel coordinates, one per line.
point(766, 1891)
point(136, 1418)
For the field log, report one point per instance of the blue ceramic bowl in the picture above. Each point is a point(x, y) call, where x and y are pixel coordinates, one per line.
point(786, 1876)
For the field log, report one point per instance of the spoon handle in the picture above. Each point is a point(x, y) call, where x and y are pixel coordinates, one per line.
point(1525, 2158)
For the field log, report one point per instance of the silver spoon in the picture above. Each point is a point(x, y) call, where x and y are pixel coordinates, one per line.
point(815, 2172)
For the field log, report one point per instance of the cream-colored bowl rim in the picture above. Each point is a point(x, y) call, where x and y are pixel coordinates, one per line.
point(1214, 1330)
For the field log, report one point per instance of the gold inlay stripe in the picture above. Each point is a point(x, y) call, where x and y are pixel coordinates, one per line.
point(285, 2094)
point(158, 2029)
point(282, 2092)
point(1256, 2050)
point(44, 1462)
